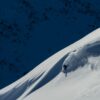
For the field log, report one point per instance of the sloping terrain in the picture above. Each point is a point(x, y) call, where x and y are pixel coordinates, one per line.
point(48, 82)
point(33, 30)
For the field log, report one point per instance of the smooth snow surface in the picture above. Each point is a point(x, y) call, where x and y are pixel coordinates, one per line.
point(48, 82)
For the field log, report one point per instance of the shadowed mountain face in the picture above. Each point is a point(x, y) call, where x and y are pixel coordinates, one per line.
point(32, 30)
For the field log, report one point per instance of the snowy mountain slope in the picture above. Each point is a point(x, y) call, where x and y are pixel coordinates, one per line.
point(24, 23)
point(47, 81)
point(79, 84)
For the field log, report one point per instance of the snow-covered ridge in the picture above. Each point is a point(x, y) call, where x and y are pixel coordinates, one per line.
point(48, 73)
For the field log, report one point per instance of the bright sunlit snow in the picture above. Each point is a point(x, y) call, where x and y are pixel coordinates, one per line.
point(71, 74)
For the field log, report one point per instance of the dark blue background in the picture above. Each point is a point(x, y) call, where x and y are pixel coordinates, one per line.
point(33, 30)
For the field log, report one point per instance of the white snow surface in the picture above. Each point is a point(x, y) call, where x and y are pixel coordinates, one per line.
point(48, 82)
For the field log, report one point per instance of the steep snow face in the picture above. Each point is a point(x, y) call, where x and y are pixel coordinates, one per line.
point(48, 82)
point(82, 81)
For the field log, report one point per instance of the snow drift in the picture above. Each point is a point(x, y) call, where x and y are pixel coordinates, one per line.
point(48, 82)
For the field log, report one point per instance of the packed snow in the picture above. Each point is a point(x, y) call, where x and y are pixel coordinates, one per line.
point(70, 74)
